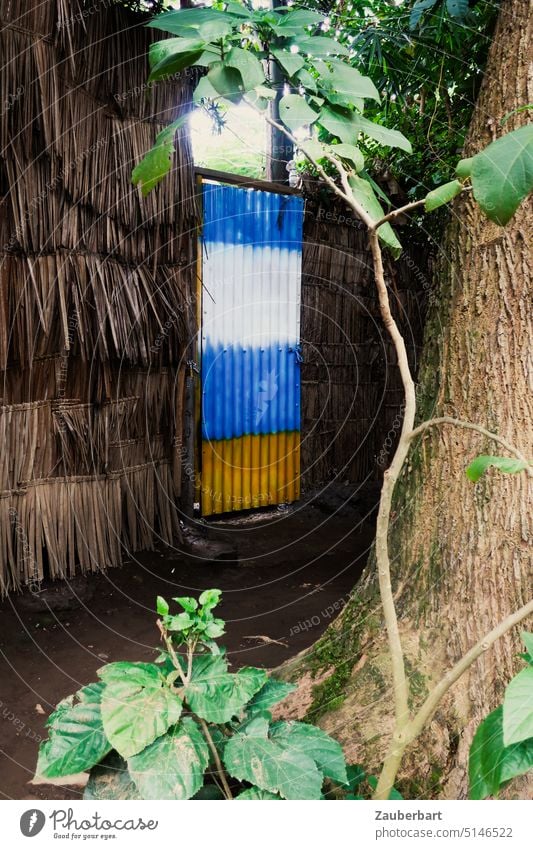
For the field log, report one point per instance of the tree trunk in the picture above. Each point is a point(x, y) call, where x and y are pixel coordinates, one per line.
point(461, 555)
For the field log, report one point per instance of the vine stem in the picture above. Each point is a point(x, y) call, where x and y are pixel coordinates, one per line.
point(216, 758)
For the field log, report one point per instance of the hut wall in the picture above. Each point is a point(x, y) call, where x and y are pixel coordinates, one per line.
point(351, 387)
point(96, 292)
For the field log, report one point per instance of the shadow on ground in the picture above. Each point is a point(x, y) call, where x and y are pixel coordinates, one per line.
point(285, 575)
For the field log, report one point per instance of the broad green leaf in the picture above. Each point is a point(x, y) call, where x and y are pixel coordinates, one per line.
point(295, 112)
point(464, 168)
point(237, 10)
point(443, 194)
point(290, 62)
point(173, 766)
point(502, 174)
point(216, 29)
point(248, 65)
point(76, 736)
point(356, 775)
point(307, 80)
point(254, 794)
point(204, 90)
point(479, 466)
point(144, 674)
point(157, 162)
point(518, 708)
point(315, 743)
point(320, 45)
point(517, 760)
point(418, 10)
point(135, 712)
point(349, 152)
point(180, 622)
point(217, 695)
point(296, 20)
point(162, 606)
point(185, 53)
point(271, 767)
point(227, 82)
point(491, 763)
point(210, 598)
point(486, 757)
point(386, 137)
point(271, 693)
point(189, 604)
point(363, 192)
point(342, 78)
point(339, 122)
point(185, 21)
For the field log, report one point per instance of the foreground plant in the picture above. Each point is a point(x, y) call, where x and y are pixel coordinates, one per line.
point(186, 727)
point(237, 45)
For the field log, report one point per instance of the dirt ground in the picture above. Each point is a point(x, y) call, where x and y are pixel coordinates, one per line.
point(285, 575)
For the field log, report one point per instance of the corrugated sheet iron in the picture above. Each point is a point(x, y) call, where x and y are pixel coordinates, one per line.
point(250, 348)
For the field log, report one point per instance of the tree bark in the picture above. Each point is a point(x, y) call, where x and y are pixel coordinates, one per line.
point(462, 558)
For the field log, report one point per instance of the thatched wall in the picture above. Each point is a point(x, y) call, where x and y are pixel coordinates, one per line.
point(351, 387)
point(96, 292)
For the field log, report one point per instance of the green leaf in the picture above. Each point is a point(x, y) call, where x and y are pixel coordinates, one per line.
point(363, 192)
point(518, 708)
point(383, 135)
point(216, 29)
point(486, 757)
point(162, 606)
point(189, 604)
point(315, 743)
point(271, 693)
point(479, 466)
point(464, 168)
point(210, 598)
point(157, 162)
point(295, 112)
point(342, 78)
point(218, 695)
point(313, 149)
point(491, 763)
point(502, 174)
point(144, 674)
point(290, 62)
point(204, 90)
point(177, 60)
point(339, 122)
point(356, 775)
point(418, 10)
point(307, 80)
point(227, 82)
point(269, 766)
point(349, 152)
point(181, 622)
point(320, 45)
point(296, 20)
point(173, 766)
point(443, 194)
point(186, 21)
point(76, 736)
point(137, 710)
point(255, 794)
point(248, 65)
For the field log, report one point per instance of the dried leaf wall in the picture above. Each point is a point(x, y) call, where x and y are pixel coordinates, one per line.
point(96, 292)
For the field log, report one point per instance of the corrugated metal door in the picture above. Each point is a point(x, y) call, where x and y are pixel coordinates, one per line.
point(250, 350)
